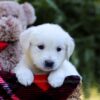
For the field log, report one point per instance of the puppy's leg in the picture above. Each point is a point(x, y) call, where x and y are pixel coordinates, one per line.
point(56, 78)
point(23, 73)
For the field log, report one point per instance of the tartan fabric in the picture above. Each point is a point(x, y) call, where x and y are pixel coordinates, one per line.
point(33, 92)
point(6, 87)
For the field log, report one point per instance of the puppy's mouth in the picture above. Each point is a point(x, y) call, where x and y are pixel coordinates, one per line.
point(42, 69)
point(48, 68)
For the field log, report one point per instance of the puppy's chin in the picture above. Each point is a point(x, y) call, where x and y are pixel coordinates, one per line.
point(44, 69)
point(38, 69)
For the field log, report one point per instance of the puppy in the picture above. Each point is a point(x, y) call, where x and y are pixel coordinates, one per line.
point(46, 49)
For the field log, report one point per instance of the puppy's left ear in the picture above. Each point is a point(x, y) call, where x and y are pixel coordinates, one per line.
point(25, 38)
point(70, 45)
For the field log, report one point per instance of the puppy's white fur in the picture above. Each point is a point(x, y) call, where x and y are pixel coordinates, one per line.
point(50, 36)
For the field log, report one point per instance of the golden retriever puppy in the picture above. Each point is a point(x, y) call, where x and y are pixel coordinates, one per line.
point(46, 49)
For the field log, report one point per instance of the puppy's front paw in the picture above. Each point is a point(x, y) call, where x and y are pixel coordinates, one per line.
point(25, 77)
point(55, 80)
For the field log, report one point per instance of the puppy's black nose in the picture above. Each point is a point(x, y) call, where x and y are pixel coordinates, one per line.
point(49, 63)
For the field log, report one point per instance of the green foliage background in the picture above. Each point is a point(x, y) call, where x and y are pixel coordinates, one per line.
point(81, 18)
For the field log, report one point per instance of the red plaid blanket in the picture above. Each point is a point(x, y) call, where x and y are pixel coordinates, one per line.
point(10, 89)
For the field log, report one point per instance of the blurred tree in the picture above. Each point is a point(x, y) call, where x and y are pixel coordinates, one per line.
point(81, 18)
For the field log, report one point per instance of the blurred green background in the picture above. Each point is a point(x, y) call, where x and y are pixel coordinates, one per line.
point(81, 18)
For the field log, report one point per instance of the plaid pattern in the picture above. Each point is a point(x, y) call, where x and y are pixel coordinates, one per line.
point(10, 89)
point(6, 87)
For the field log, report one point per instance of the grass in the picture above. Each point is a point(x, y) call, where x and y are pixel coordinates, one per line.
point(94, 95)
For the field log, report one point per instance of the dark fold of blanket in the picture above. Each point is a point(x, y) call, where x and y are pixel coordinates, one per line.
point(33, 92)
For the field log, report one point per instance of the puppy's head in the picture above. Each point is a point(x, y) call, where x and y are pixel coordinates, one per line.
point(47, 46)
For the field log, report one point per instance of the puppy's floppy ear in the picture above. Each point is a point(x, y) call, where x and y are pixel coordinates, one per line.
point(25, 39)
point(70, 45)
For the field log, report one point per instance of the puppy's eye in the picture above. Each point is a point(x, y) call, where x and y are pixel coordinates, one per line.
point(58, 49)
point(41, 47)
point(16, 16)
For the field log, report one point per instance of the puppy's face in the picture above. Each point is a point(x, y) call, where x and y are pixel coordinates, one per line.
point(47, 45)
point(47, 52)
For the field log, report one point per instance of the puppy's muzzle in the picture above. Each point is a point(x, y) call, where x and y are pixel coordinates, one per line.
point(49, 64)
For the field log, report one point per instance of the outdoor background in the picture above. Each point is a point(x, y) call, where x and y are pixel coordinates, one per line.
point(81, 18)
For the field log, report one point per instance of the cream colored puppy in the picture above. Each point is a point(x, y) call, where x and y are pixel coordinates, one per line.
point(46, 49)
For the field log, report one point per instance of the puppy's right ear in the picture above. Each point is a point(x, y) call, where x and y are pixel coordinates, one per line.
point(70, 45)
point(25, 39)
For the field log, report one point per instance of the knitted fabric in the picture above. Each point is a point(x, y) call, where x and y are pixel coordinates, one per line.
point(69, 90)
point(9, 57)
point(14, 19)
